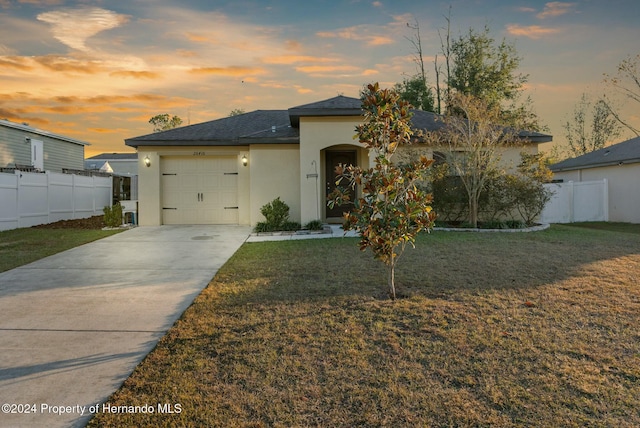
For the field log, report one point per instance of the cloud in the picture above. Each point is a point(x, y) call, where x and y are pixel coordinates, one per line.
point(555, 8)
point(233, 70)
point(371, 35)
point(135, 74)
point(15, 62)
point(69, 65)
point(293, 59)
point(358, 33)
point(532, 31)
point(314, 69)
point(74, 26)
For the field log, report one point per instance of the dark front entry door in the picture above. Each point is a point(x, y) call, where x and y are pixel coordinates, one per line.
point(334, 159)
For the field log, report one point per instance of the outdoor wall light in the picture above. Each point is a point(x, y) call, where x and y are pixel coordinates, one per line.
point(147, 161)
point(245, 161)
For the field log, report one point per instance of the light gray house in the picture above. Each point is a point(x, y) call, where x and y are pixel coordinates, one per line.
point(125, 164)
point(620, 166)
point(24, 147)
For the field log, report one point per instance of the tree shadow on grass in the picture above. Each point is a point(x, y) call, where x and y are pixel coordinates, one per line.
point(441, 265)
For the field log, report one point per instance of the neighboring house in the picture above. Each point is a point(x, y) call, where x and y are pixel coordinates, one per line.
point(224, 171)
point(123, 167)
point(40, 150)
point(116, 163)
point(620, 166)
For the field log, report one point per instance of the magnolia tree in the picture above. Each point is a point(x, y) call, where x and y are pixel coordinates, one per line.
point(392, 209)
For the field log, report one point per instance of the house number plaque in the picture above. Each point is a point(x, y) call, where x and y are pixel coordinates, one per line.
point(199, 153)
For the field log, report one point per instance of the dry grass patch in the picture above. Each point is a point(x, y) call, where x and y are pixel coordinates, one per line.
point(503, 330)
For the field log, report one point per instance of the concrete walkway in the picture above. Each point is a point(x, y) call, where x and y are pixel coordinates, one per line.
point(73, 326)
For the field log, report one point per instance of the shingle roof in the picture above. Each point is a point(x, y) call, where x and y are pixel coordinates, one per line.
point(114, 156)
point(336, 106)
point(618, 154)
point(26, 128)
point(242, 129)
point(278, 126)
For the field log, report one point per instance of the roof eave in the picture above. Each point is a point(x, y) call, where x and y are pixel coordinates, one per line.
point(296, 113)
point(620, 162)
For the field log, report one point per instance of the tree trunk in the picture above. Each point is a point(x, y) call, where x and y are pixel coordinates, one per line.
point(392, 278)
point(473, 211)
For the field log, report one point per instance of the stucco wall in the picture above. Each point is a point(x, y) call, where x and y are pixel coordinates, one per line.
point(149, 179)
point(275, 172)
point(624, 188)
point(317, 134)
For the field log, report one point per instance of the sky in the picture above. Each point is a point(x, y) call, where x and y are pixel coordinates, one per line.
point(97, 70)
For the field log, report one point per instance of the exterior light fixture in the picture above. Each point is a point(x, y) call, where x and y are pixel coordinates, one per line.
point(147, 161)
point(245, 161)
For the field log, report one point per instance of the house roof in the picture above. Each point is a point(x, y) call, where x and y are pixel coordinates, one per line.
point(258, 126)
point(336, 106)
point(279, 126)
point(618, 154)
point(26, 128)
point(115, 156)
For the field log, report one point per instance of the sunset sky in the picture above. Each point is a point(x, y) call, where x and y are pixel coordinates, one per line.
point(98, 70)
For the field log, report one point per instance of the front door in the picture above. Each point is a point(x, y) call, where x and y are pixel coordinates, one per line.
point(333, 159)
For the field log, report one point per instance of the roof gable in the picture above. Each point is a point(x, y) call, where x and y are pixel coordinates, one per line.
point(617, 154)
point(336, 106)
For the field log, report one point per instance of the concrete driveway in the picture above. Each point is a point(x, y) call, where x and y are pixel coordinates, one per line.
point(73, 326)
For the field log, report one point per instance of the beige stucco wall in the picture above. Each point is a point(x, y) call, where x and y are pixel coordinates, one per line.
point(275, 172)
point(150, 193)
point(623, 187)
point(510, 157)
point(317, 134)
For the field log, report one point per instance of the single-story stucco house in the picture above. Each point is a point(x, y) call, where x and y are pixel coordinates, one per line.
point(619, 164)
point(26, 147)
point(225, 170)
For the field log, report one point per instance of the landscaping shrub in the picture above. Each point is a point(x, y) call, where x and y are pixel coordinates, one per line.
point(314, 225)
point(113, 215)
point(276, 214)
point(504, 198)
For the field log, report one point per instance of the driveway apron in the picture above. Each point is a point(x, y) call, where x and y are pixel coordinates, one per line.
point(73, 326)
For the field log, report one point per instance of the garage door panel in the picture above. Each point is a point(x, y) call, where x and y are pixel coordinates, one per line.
point(200, 189)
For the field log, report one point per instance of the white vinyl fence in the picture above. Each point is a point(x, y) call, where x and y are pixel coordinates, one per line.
point(577, 201)
point(28, 199)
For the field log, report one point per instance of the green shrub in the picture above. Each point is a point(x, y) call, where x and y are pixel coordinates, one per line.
point(493, 224)
point(276, 214)
point(291, 226)
point(314, 225)
point(113, 215)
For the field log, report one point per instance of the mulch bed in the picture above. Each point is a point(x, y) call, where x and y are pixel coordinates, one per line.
point(95, 222)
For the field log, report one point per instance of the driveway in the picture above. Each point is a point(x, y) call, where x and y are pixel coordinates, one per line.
point(73, 326)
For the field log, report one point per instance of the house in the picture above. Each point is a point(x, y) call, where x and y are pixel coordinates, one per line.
point(619, 164)
point(124, 169)
point(225, 170)
point(25, 147)
point(125, 164)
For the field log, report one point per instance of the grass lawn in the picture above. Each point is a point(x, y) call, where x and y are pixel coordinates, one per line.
point(513, 329)
point(21, 246)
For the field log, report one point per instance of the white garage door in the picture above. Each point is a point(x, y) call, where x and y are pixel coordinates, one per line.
point(199, 190)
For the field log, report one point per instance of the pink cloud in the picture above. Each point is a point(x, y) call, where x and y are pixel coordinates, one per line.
point(555, 8)
point(532, 31)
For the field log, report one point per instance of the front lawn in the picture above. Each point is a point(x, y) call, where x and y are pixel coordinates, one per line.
point(22, 246)
point(514, 329)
